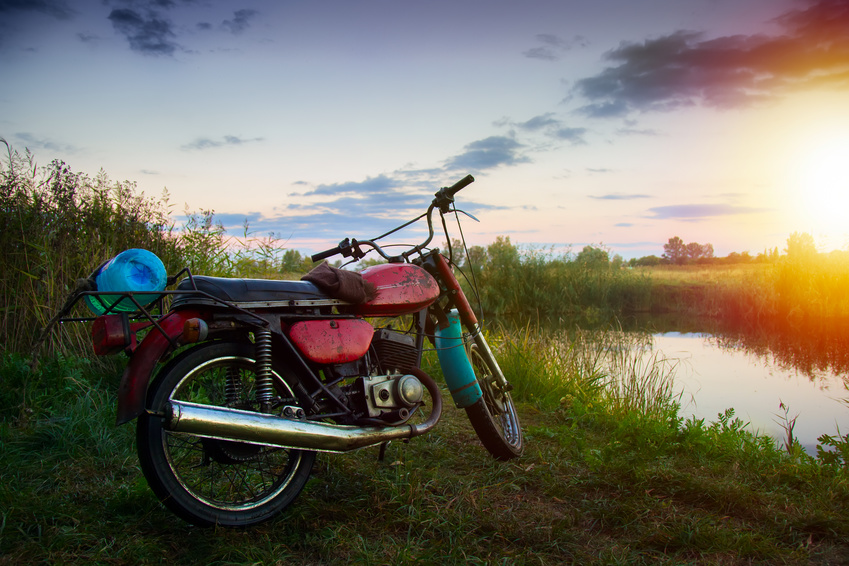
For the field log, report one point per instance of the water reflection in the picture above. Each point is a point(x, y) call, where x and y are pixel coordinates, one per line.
point(817, 349)
point(817, 352)
point(716, 373)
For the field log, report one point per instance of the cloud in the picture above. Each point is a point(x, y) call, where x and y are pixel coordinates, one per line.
point(686, 69)
point(553, 46)
point(573, 135)
point(637, 132)
point(488, 153)
point(150, 35)
point(550, 126)
point(699, 211)
point(240, 21)
point(363, 209)
point(616, 196)
point(88, 38)
point(372, 186)
point(207, 143)
point(32, 142)
point(58, 9)
point(539, 122)
point(605, 109)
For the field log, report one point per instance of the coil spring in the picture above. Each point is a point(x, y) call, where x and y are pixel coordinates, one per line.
point(233, 386)
point(264, 385)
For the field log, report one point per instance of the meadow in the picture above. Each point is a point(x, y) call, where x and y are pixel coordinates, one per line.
point(611, 473)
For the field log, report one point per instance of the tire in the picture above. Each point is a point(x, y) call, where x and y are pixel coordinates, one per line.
point(493, 416)
point(217, 482)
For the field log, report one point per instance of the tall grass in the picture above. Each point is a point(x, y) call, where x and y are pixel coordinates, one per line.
point(793, 291)
point(57, 226)
point(532, 283)
point(578, 367)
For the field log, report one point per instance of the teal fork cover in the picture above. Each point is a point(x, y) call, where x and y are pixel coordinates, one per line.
point(458, 371)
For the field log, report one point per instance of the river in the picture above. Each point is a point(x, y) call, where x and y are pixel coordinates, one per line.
point(767, 380)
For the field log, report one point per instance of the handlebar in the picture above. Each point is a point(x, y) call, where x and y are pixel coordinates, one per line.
point(455, 188)
point(331, 252)
point(443, 198)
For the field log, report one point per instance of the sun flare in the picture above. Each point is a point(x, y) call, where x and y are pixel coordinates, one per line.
point(823, 185)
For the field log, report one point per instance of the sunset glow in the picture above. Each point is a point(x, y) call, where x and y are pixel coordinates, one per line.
point(720, 122)
point(825, 183)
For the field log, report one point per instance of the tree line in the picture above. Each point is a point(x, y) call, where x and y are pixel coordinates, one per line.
point(800, 246)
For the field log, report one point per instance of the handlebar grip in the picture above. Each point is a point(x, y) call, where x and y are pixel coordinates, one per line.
point(455, 188)
point(326, 254)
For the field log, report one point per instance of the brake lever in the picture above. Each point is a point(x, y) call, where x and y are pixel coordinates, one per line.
point(467, 214)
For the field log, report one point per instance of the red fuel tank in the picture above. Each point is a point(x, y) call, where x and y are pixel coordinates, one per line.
point(402, 288)
point(332, 341)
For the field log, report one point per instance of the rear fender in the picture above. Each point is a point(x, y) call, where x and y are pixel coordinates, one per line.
point(134, 382)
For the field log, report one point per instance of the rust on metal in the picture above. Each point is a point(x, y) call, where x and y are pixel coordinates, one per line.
point(332, 341)
point(467, 313)
point(402, 288)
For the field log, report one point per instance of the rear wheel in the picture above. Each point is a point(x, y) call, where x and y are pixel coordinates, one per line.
point(210, 481)
point(494, 416)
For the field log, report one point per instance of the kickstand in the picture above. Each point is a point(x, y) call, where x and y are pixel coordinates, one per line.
point(382, 455)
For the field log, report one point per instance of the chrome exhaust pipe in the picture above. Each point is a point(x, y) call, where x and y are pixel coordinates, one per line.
point(273, 430)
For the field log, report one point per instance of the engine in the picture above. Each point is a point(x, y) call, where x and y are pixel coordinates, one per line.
point(394, 350)
point(387, 393)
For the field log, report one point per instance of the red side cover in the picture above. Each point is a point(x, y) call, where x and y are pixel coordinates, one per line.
point(402, 288)
point(332, 341)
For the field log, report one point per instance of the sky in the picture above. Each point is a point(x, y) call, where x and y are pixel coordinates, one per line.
point(614, 123)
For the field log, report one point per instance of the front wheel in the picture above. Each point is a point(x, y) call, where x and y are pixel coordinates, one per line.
point(209, 481)
point(493, 416)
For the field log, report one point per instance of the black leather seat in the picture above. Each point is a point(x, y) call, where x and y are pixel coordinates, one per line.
point(245, 290)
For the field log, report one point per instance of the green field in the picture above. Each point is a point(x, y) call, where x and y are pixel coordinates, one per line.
point(609, 477)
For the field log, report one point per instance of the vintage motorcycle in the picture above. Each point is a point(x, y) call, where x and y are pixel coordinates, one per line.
point(255, 376)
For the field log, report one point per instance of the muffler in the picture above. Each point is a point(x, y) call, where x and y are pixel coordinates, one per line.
point(260, 428)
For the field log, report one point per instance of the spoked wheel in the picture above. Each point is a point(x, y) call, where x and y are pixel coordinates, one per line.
point(494, 416)
point(209, 481)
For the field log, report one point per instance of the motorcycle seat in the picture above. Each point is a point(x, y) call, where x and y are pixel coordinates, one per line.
point(245, 291)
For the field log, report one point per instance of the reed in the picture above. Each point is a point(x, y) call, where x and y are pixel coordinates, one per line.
point(570, 367)
point(533, 283)
point(57, 226)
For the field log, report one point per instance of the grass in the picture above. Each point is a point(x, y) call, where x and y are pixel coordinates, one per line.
point(793, 292)
point(603, 481)
point(703, 274)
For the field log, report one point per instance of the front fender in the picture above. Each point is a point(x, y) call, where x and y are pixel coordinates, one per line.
point(136, 377)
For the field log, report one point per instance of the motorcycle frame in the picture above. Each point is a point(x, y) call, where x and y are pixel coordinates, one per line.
point(227, 319)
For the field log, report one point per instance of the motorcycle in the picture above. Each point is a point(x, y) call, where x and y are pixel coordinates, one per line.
point(257, 376)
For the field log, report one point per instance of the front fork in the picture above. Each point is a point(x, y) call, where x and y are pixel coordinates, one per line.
point(487, 354)
point(456, 365)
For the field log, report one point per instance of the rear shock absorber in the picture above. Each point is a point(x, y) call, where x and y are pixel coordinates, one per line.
point(264, 383)
point(233, 386)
